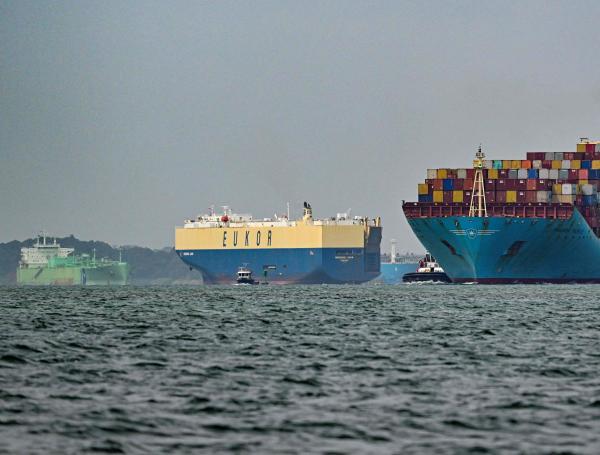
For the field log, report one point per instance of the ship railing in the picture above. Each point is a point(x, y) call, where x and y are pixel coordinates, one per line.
point(558, 211)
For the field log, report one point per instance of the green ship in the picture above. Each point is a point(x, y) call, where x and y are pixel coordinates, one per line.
point(47, 264)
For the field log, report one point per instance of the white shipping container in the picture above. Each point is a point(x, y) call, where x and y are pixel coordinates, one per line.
point(432, 173)
point(537, 164)
point(552, 174)
point(544, 174)
point(587, 189)
point(543, 196)
point(598, 148)
point(461, 173)
point(566, 188)
point(559, 156)
point(566, 164)
point(549, 156)
point(522, 174)
point(488, 164)
point(563, 174)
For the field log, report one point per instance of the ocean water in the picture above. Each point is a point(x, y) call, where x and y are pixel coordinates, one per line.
point(305, 369)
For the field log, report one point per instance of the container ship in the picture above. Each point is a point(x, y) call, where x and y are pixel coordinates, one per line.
point(46, 264)
point(535, 220)
point(280, 250)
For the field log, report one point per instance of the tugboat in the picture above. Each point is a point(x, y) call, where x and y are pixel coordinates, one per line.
point(429, 270)
point(244, 276)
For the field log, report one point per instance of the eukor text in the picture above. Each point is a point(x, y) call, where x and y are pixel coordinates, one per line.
point(248, 239)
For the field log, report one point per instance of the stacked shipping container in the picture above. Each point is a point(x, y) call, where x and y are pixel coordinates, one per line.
point(544, 177)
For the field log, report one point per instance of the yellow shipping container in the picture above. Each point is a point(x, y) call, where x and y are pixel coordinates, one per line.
point(457, 196)
point(438, 196)
point(506, 164)
point(442, 174)
point(556, 164)
point(492, 173)
point(575, 164)
point(583, 182)
point(511, 196)
point(557, 188)
point(595, 164)
point(423, 188)
point(581, 148)
point(515, 164)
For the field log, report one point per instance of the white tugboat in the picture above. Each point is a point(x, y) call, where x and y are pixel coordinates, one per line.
point(429, 270)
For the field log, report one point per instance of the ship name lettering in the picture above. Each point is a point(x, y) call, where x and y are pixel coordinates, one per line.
point(224, 239)
point(247, 237)
point(235, 235)
point(269, 238)
point(257, 238)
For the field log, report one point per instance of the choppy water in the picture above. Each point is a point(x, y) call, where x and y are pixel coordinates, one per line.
point(361, 369)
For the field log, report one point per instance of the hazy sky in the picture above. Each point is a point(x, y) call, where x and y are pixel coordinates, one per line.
point(118, 120)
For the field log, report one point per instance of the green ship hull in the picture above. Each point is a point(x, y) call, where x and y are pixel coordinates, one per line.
point(98, 274)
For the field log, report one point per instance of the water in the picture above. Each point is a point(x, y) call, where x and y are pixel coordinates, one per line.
point(361, 369)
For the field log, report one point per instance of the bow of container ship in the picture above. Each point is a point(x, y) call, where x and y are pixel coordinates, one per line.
point(534, 220)
point(281, 251)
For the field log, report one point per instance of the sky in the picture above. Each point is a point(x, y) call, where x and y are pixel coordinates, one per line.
point(119, 120)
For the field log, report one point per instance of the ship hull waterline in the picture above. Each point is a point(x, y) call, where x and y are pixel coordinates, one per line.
point(504, 250)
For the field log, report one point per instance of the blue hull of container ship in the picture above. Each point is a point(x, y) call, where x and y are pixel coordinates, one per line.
point(286, 265)
point(512, 250)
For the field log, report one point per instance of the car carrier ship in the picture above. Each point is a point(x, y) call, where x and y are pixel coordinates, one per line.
point(280, 250)
point(514, 221)
point(47, 264)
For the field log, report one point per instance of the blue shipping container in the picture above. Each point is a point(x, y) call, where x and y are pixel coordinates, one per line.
point(586, 164)
point(448, 184)
point(425, 197)
point(589, 200)
point(532, 173)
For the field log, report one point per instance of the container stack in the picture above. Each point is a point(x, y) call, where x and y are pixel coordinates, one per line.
point(542, 178)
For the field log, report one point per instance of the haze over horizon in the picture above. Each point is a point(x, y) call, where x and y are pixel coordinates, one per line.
point(118, 120)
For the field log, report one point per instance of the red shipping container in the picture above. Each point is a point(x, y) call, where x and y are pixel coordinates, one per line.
point(467, 197)
point(484, 172)
point(501, 184)
point(583, 173)
point(468, 184)
point(569, 156)
point(501, 197)
point(511, 184)
point(543, 184)
point(489, 184)
point(573, 173)
point(451, 173)
point(531, 156)
point(490, 197)
point(438, 184)
point(502, 173)
point(459, 184)
point(521, 184)
point(590, 148)
point(531, 184)
point(547, 164)
point(521, 196)
point(448, 196)
point(471, 173)
point(579, 156)
point(530, 196)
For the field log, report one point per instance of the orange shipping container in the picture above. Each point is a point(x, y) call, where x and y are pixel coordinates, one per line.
point(582, 174)
point(525, 164)
point(492, 174)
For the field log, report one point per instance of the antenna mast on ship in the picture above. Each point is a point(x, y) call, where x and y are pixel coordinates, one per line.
point(478, 207)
